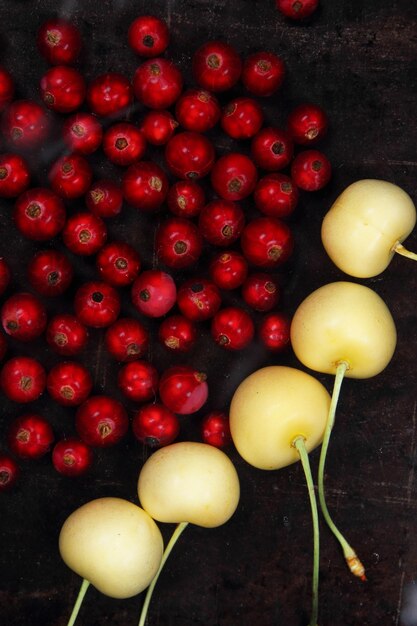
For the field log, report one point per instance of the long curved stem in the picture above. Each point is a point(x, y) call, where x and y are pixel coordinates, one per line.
point(83, 590)
point(299, 443)
point(399, 248)
point(171, 543)
point(352, 559)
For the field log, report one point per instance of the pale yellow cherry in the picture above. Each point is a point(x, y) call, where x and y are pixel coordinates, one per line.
point(366, 225)
point(344, 322)
point(270, 409)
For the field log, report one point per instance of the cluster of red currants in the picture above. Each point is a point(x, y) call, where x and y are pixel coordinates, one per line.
point(40, 215)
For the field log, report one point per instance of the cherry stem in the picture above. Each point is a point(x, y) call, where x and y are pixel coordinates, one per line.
point(83, 589)
point(398, 247)
point(351, 558)
point(171, 543)
point(299, 444)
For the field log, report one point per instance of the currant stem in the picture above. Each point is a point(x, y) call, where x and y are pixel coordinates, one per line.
point(171, 543)
point(299, 443)
point(351, 558)
point(398, 247)
point(83, 589)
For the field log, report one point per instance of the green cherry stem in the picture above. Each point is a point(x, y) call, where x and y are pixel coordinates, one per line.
point(83, 590)
point(171, 543)
point(299, 444)
point(351, 558)
point(399, 248)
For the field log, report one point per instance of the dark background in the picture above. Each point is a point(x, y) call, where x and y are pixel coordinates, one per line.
point(359, 61)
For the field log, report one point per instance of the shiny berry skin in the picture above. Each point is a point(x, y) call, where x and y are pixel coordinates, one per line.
point(101, 421)
point(311, 170)
point(157, 83)
point(178, 243)
point(216, 66)
point(84, 233)
point(127, 340)
point(189, 155)
point(82, 133)
point(148, 36)
point(155, 426)
point(50, 272)
point(177, 333)
point(138, 381)
point(39, 214)
point(23, 316)
point(25, 124)
point(6, 88)
point(22, 379)
point(30, 436)
point(267, 242)
point(261, 292)
point(297, 9)
point(186, 198)
point(221, 222)
point(276, 195)
point(232, 328)
point(263, 73)
point(9, 472)
point(154, 293)
point(145, 186)
point(274, 331)
point(272, 149)
point(197, 110)
point(183, 389)
point(109, 94)
point(14, 175)
point(72, 457)
point(4, 275)
point(118, 264)
point(62, 89)
point(59, 42)
point(215, 429)
point(124, 144)
point(228, 270)
point(158, 127)
point(69, 383)
point(70, 176)
point(198, 299)
point(234, 176)
point(104, 199)
point(97, 304)
point(242, 118)
point(307, 124)
point(66, 335)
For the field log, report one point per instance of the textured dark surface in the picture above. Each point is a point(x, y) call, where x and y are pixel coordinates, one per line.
point(359, 60)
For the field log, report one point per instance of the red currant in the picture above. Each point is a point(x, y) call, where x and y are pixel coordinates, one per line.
point(97, 304)
point(84, 233)
point(145, 186)
point(234, 176)
point(66, 335)
point(267, 242)
point(297, 9)
point(197, 110)
point(178, 242)
point(82, 133)
point(62, 89)
point(228, 270)
point(127, 339)
point(242, 118)
point(261, 292)
point(72, 457)
point(25, 124)
point(307, 124)
point(186, 198)
point(109, 94)
point(138, 381)
point(215, 429)
point(177, 333)
point(183, 389)
point(221, 222)
point(216, 66)
point(22, 379)
point(69, 383)
point(101, 421)
point(272, 149)
point(198, 299)
point(124, 144)
point(148, 36)
point(155, 425)
point(39, 214)
point(154, 293)
point(23, 316)
point(50, 272)
point(158, 127)
point(118, 263)
point(59, 42)
point(70, 176)
point(232, 328)
point(276, 195)
point(14, 175)
point(311, 170)
point(189, 155)
point(263, 73)
point(6, 88)
point(274, 331)
point(9, 472)
point(157, 83)
point(30, 436)
point(104, 199)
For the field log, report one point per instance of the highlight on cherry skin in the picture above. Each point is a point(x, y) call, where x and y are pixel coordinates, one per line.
point(366, 226)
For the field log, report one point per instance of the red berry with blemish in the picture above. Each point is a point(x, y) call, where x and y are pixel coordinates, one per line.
point(39, 214)
point(104, 198)
point(154, 293)
point(50, 272)
point(84, 233)
point(263, 73)
point(22, 379)
point(69, 383)
point(186, 198)
point(66, 335)
point(232, 328)
point(221, 222)
point(30, 436)
point(155, 426)
point(118, 263)
point(72, 457)
point(82, 133)
point(14, 175)
point(272, 149)
point(127, 339)
point(311, 170)
point(59, 41)
point(145, 186)
point(178, 242)
point(138, 381)
point(234, 176)
point(228, 269)
point(23, 316)
point(307, 124)
point(62, 89)
point(148, 36)
point(276, 195)
point(216, 66)
point(124, 144)
point(177, 333)
point(183, 389)
point(25, 124)
point(101, 421)
point(70, 176)
point(261, 292)
point(198, 299)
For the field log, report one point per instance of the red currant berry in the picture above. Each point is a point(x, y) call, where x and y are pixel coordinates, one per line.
point(70, 176)
point(69, 383)
point(198, 299)
point(183, 389)
point(216, 66)
point(138, 381)
point(22, 379)
point(148, 36)
point(157, 83)
point(62, 89)
point(59, 42)
point(186, 198)
point(177, 333)
point(267, 242)
point(311, 170)
point(261, 292)
point(145, 186)
point(39, 214)
point(158, 127)
point(72, 457)
point(127, 339)
point(4, 275)
point(109, 94)
point(232, 328)
point(104, 199)
point(14, 175)
point(82, 133)
point(9, 472)
point(155, 425)
point(23, 316)
point(221, 222)
point(263, 73)
point(228, 270)
point(234, 176)
point(197, 110)
point(66, 335)
point(215, 429)
point(118, 264)
point(6, 88)
point(84, 233)
point(274, 331)
point(97, 304)
point(189, 155)
point(242, 118)
point(272, 149)
point(154, 293)
point(30, 436)
point(276, 195)
point(307, 124)
point(124, 144)
point(297, 9)
point(50, 272)
point(25, 124)
point(178, 242)
point(101, 421)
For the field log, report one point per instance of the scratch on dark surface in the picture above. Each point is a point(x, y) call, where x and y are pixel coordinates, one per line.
point(400, 595)
point(412, 454)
